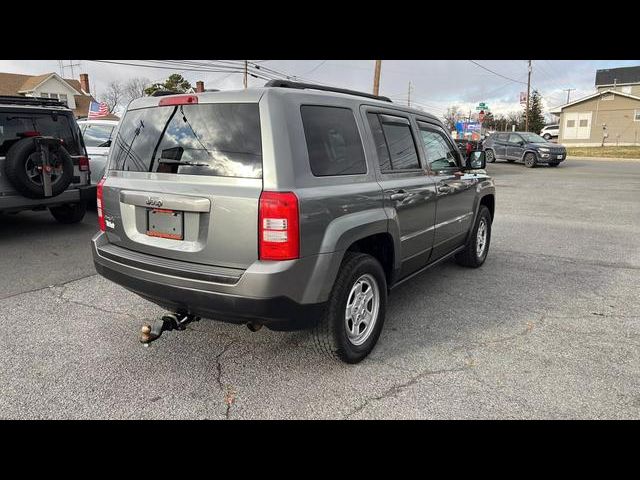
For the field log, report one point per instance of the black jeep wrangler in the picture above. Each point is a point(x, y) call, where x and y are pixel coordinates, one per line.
point(43, 160)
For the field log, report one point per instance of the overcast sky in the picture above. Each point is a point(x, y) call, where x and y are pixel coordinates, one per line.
point(436, 84)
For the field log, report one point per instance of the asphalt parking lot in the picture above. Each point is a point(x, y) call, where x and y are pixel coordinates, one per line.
point(547, 328)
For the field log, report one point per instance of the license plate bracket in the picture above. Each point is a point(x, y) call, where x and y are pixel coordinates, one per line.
point(559, 157)
point(165, 223)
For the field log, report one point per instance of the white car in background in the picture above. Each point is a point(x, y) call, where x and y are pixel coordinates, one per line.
point(98, 135)
point(550, 131)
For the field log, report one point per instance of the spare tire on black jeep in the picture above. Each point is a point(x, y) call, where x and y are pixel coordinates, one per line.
point(22, 169)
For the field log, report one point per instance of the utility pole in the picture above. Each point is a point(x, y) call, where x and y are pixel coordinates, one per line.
point(376, 77)
point(568, 90)
point(409, 95)
point(526, 118)
point(246, 65)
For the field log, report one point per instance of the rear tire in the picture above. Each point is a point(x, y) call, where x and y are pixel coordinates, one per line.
point(530, 160)
point(489, 156)
point(69, 213)
point(336, 334)
point(546, 136)
point(475, 253)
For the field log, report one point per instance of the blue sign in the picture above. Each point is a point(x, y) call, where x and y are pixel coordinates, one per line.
point(467, 127)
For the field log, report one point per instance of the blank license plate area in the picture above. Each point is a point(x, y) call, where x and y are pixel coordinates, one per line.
point(165, 223)
point(559, 156)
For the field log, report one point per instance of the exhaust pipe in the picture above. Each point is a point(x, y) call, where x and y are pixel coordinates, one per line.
point(254, 326)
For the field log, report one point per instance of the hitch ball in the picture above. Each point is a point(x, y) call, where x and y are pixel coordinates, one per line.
point(254, 326)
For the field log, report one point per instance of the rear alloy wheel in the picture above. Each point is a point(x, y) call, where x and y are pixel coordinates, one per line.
point(69, 213)
point(489, 156)
point(546, 136)
point(355, 312)
point(530, 160)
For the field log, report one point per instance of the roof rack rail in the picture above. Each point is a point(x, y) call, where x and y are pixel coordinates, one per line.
point(312, 86)
point(19, 100)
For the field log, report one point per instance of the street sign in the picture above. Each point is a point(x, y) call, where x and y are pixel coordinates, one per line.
point(482, 106)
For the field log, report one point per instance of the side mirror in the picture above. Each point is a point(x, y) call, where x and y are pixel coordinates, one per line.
point(476, 161)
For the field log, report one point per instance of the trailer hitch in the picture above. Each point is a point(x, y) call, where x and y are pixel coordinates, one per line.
point(172, 321)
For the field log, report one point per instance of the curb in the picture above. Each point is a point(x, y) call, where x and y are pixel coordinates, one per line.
point(604, 159)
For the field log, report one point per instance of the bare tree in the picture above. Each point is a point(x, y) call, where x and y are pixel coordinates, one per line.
point(451, 116)
point(134, 88)
point(113, 96)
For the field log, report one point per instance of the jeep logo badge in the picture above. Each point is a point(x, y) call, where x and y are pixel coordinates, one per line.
point(154, 202)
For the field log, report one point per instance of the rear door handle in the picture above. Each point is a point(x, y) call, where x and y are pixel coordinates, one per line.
point(398, 195)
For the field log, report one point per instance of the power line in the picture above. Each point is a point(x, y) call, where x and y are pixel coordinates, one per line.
point(496, 73)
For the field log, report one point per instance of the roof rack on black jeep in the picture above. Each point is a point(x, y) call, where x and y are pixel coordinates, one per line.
point(311, 86)
point(42, 101)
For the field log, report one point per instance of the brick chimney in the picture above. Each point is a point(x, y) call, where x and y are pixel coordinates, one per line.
point(199, 86)
point(84, 82)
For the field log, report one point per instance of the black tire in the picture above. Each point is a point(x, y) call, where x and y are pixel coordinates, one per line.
point(469, 256)
point(546, 136)
point(330, 333)
point(530, 160)
point(17, 162)
point(489, 156)
point(69, 212)
point(554, 164)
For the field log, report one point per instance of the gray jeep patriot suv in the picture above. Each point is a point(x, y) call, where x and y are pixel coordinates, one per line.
point(290, 206)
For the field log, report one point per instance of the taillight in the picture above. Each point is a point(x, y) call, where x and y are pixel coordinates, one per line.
point(100, 205)
point(279, 235)
point(178, 100)
point(83, 164)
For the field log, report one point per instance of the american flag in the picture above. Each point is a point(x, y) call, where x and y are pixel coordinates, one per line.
point(97, 110)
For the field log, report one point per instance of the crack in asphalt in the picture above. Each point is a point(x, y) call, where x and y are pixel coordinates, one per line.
point(229, 397)
point(396, 389)
point(63, 289)
point(48, 286)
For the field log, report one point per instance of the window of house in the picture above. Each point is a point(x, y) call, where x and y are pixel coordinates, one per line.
point(63, 98)
point(606, 97)
point(45, 95)
point(626, 89)
point(571, 123)
point(636, 116)
point(333, 141)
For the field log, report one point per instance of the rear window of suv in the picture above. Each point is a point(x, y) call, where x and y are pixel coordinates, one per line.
point(16, 125)
point(333, 141)
point(218, 139)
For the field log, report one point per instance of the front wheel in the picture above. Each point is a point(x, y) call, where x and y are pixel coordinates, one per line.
point(70, 212)
point(530, 160)
point(356, 310)
point(546, 136)
point(477, 247)
point(489, 156)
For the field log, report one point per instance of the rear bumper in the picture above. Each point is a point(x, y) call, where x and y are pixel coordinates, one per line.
point(238, 303)
point(72, 195)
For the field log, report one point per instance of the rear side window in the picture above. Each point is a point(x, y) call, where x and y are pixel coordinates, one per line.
point(219, 139)
point(394, 142)
point(14, 126)
point(96, 135)
point(333, 141)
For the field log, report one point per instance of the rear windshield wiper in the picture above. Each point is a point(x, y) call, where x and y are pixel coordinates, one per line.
point(182, 162)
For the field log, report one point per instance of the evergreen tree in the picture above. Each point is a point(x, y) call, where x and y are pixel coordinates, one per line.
point(175, 83)
point(536, 117)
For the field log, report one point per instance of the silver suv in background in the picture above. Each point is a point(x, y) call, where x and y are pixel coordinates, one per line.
point(291, 206)
point(550, 131)
point(97, 135)
point(43, 160)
